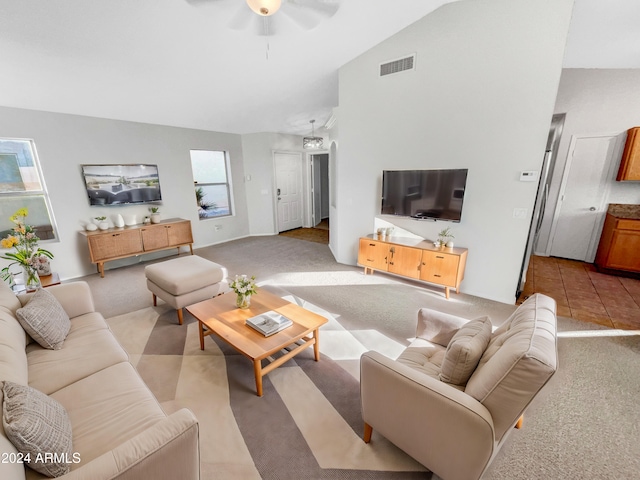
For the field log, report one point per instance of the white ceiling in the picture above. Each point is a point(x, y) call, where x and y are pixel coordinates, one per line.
point(179, 62)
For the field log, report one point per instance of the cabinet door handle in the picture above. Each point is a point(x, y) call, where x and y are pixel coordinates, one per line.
point(439, 257)
point(436, 275)
point(372, 244)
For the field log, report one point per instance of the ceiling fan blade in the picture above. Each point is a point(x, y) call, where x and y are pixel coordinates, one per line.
point(308, 13)
point(326, 8)
point(242, 19)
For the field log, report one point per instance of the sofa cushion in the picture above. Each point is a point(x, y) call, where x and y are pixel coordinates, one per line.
point(107, 409)
point(45, 320)
point(465, 350)
point(84, 353)
point(37, 425)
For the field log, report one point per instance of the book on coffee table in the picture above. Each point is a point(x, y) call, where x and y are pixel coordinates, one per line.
point(269, 323)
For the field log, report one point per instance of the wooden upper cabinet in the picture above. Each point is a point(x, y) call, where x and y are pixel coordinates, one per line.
point(630, 163)
point(405, 261)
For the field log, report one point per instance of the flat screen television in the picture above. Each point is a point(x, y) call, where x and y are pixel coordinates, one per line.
point(121, 184)
point(424, 194)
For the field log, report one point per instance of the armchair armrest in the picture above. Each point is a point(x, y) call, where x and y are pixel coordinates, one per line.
point(443, 428)
point(438, 327)
point(169, 449)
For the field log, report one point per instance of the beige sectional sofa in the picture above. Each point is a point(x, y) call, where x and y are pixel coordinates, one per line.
point(118, 428)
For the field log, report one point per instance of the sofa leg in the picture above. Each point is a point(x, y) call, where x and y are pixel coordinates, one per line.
point(179, 316)
point(368, 430)
point(519, 422)
point(155, 300)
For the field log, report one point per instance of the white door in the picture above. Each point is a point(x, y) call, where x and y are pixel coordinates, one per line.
point(289, 190)
point(581, 207)
point(317, 190)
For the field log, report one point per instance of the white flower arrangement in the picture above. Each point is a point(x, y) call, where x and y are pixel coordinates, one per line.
point(244, 285)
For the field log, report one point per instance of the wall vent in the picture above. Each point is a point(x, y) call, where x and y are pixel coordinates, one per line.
point(397, 66)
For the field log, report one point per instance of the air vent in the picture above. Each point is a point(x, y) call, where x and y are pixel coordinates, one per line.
point(397, 66)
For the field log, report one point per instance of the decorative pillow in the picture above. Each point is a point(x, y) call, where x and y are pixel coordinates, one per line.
point(45, 320)
point(37, 425)
point(465, 350)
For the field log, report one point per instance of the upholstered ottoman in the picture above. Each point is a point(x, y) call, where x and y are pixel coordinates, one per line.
point(185, 280)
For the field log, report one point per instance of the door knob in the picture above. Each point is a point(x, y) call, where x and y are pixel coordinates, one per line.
point(592, 209)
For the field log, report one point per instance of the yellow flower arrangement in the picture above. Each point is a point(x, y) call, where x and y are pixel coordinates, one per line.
point(25, 241)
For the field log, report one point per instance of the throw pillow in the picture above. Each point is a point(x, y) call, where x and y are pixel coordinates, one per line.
point(465, 350)
point(45, 320)
point(37, 424)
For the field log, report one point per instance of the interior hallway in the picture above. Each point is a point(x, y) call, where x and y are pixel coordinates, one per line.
point(583, 293)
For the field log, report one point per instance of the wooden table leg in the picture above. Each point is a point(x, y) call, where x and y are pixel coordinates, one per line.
point(446, 292)
point(316, 344)
point(257, 370)
point(201, 332)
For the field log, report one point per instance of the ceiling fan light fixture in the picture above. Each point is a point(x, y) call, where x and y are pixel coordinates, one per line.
point(264, 8)
point(312, 142)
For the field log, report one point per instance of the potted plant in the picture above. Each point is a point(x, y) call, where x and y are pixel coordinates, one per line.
point(445, 237)
point(155, 214)
point(27, 252)
point(102, 223)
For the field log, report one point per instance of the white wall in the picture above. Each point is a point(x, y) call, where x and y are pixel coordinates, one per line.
point(64, 142)
point(481, 98)
point(596, 101)
point(258, 149)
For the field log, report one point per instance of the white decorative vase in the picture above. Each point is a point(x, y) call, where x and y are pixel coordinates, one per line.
point(130, 220)
point(119, 221)
point(90, 227)
point(103, 225)
point(155, 218)
point(450, 244)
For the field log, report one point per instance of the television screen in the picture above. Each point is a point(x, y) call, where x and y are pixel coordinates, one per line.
point(121, 184)
point(424, 194)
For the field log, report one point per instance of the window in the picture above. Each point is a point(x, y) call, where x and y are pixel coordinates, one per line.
point(212, 183)
point(22, 186)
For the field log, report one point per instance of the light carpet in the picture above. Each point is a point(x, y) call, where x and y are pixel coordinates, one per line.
point(582, 425)
point(307, 424)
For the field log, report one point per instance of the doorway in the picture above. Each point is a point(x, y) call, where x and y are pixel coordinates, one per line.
point(289, 192)
point(582, 202)
point(320, 190)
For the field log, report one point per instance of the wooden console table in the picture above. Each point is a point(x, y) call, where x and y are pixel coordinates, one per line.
point(413, 258)
point(115, 243)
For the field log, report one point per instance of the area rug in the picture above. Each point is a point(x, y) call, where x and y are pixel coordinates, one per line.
point(308, 423)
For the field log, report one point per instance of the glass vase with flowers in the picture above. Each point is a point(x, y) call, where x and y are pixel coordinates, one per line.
point(244, 287)
point(27, 253)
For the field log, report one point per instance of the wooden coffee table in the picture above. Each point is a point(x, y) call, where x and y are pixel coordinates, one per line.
point(220, 316)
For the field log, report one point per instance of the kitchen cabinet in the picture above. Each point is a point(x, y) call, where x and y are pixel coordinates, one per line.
point(619, 247)
point(413, 258)
point(630, 162)
point(115, 243)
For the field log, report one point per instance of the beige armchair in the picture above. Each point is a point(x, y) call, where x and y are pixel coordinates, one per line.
point(455, 393)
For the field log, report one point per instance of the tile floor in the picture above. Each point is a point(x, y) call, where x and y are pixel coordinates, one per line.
point(583, 293)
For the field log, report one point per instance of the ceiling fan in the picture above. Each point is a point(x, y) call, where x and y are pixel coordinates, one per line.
point(266, 17)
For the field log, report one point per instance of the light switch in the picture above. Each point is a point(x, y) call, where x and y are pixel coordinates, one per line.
point(528, 176)
point(520, 213)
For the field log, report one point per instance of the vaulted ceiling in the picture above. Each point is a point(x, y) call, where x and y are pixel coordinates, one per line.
point(202, 64)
